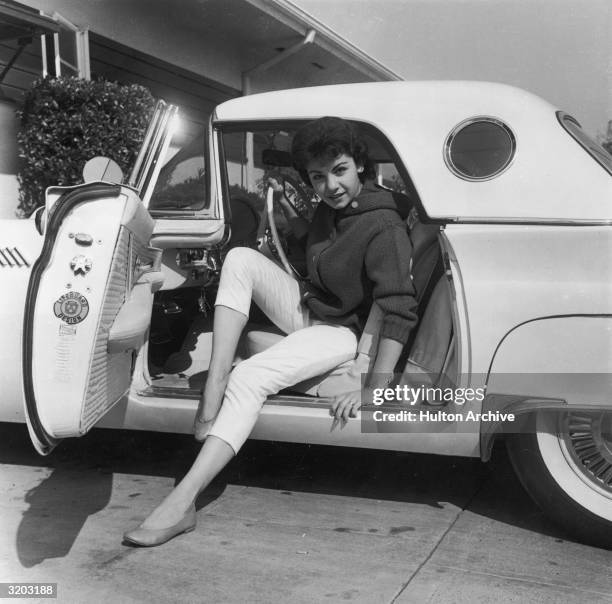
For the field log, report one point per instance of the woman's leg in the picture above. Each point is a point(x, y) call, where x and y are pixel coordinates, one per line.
point(301, 355)
point(227, 327)
point(246, 275)
point(212, 458)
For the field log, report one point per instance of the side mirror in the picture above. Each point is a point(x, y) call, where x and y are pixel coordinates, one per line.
point(102, 169)
point(40, 219)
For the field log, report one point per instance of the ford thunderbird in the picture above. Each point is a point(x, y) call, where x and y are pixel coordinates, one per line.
point(108, 290)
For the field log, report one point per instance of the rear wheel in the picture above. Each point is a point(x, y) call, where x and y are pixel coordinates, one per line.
point(565, 463)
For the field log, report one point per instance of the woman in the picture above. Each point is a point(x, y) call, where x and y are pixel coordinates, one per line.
point(357, 252)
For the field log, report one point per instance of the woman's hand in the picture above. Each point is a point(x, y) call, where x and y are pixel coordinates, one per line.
point(276, 182)
point(344, 406)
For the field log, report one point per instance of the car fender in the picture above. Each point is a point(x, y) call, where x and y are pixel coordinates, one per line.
point(20, 245)
point(554, 363)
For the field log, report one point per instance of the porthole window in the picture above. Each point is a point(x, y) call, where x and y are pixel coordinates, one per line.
point(479, 148)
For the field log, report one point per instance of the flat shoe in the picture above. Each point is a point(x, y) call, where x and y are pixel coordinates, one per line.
point(151, 537)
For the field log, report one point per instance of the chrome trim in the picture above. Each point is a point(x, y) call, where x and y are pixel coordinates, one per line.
point(161, 142)
point(21, 256)
point(12, 257)
point(6, 260)
point(136, 173)
point(15, 260)
point(503, 221)
point(587, 447)
point(144, 260)
point(217, 163)
point(467, 122)
point(156, 141)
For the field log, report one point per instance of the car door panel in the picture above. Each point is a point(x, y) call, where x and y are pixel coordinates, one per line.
point(74, 369)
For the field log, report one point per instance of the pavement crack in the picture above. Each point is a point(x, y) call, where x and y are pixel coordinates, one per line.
point(528, 580)
point(439, 541)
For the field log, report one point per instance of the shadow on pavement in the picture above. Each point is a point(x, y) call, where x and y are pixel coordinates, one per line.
point(81, 481)
point(88, 463)
point(46, 530)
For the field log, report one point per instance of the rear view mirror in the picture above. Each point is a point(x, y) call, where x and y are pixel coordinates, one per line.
point(276, 158)
point(102, 169)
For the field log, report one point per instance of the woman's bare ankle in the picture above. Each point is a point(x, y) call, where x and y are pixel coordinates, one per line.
point(209, 406)
point(170, 511)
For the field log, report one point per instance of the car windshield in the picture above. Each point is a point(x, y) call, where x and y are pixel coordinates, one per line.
point(182, 180)
point(253, 156)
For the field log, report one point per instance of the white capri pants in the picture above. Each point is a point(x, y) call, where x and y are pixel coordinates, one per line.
point(311, 347)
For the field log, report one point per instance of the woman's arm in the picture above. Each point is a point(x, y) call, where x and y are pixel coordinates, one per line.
point(387, 264)
point(387, 356)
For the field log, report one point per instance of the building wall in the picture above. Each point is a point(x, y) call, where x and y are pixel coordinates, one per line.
point(150, 27)
point(196, 95)
point(9, 189)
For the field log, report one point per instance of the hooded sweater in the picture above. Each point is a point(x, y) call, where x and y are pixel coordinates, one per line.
point(358, 255)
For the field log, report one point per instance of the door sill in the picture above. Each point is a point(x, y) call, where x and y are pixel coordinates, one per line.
point(284, 399)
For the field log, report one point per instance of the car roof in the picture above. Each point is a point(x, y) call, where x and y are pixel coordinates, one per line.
point(551, 178)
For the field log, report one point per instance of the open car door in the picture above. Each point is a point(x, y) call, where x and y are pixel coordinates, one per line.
point(90, 294)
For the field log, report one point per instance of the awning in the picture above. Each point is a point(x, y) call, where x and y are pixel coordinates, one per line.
point(18, 26)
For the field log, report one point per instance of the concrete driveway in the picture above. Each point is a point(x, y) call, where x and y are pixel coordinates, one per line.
point(284, 523)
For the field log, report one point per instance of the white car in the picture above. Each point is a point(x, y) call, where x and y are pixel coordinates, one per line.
point(108, 295)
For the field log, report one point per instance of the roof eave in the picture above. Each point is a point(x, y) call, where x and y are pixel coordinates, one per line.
point(300, 21)
point(27, 19)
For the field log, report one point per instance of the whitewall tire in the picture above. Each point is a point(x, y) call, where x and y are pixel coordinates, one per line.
point(565, 463)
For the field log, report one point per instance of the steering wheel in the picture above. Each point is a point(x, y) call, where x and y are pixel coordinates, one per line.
point(271, 234)
point(303, 206)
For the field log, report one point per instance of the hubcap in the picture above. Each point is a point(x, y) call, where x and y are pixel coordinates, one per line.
point(588, 443)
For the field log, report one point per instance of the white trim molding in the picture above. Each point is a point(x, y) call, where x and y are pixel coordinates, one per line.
point(299, 20)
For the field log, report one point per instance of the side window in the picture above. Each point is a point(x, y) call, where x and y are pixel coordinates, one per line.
point(388, 176)
point(384, 159)
point(591, 146)
point(182, 180)
point(479, 148)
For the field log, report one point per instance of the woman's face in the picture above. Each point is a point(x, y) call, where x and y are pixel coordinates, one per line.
point(335, 181)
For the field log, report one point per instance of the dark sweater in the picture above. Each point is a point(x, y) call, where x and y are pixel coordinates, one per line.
point(359, 254)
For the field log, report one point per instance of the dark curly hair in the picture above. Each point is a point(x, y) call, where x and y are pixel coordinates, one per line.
point(326, 138)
